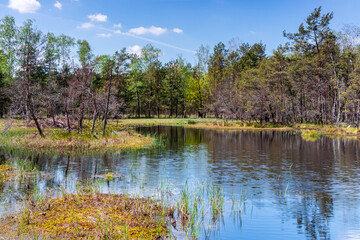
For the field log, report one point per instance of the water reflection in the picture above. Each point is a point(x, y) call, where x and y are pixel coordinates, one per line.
point(295, 188)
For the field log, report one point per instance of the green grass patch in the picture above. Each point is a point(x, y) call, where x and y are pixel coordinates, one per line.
point(310, 135)
point(60, 140)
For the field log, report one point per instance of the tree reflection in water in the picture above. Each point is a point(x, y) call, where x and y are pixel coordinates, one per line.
point(310, 185)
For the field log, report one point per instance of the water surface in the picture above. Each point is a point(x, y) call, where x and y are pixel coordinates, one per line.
point(294, 189)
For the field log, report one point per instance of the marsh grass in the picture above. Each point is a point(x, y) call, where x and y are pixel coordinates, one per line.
point(316, 130)
point(59, 140)
point(199, 208)
point(18, 170)
point(312, 132)
point(310, 135)
point(88, 214)
point(119, 135)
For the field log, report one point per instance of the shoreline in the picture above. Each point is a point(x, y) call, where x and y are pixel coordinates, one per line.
point(59, 140)
point(308, 131)
point(121, 136)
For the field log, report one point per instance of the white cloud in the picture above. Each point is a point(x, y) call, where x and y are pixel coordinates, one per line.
point(151, 30)
point(105, 35)
point(98, 17)
point(118, 32)
point(252, 32)
point(177, 30)
point(117, 25)
point(136, 49)
point(58, 5)
point(86, 25)
point(24, 6)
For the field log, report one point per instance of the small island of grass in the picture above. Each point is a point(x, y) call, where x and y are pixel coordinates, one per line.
point(60, 140)
point(89, 216)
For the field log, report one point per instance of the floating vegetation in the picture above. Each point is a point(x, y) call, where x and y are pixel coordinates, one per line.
point(109, 176)
point(310, 135)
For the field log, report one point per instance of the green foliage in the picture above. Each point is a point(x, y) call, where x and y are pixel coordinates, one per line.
point(312, 78)
point(84, 52)
point(8, 43)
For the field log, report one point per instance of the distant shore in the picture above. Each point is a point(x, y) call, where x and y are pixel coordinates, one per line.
point(308, 131)
point(15, 133)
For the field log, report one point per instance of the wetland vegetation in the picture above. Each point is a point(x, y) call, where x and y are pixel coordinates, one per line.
point(313, 79)
point(120, 134)
point(78, 159)
point(201, 184)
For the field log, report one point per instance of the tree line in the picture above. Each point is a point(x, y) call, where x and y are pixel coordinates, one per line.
point(314, 77)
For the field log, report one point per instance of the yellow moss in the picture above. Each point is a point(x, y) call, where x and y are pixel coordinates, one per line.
point(5, 168)
point(86, 216)
point(109, 177)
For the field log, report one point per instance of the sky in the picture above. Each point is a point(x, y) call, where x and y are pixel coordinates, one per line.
point(177, 27)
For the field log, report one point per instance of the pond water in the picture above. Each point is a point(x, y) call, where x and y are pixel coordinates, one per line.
point(288, 188)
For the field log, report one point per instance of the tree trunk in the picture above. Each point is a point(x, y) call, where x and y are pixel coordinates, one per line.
point(35, 119)
point(357, 115)
point(28, 97)
point(81, 113)
point(137, 100)
point(67, 119)
point(27, 117)
point(107, 105)
point(53, 116)
point(184, 113)
point(94, 116)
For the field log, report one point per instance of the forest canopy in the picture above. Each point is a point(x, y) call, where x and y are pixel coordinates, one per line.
point(314, 77)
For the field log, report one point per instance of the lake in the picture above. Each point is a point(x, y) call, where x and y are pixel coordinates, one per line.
point(275, 185)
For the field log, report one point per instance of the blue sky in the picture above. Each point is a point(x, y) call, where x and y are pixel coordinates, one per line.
point(177, 27)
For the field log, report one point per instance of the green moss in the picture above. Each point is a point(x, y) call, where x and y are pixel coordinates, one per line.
point(109, 177)
point(95, 216)
point(310, 135)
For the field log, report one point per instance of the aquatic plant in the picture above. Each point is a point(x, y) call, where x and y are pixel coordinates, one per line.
point(310, 135)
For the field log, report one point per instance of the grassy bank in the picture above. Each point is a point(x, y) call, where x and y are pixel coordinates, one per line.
point(90, 214)
point(59, 140)
point(120, 136)
point(308, 131)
